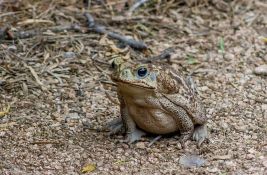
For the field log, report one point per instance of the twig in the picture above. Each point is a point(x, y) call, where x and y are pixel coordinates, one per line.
point(44, 142)
point(36, 77)
point(8, 14)
point(6, 33)
point(154, 140)
point(135, 6)
point(108, 82)
point(166, 54)
point(112, 99)
point(56, 76)
point(101, 29)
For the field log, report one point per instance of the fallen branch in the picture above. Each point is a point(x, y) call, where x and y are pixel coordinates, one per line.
point(101, 29)
point(165, 54)
point(6, 33)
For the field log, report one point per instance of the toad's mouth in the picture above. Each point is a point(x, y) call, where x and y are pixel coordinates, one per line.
point(134, 84)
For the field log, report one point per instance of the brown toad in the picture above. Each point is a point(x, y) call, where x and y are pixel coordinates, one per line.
point(158, 100)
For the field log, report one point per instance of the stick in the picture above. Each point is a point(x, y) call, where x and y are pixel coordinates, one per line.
point(101, 29)
point(135, 6)
point(5, 33)
point(166, 54)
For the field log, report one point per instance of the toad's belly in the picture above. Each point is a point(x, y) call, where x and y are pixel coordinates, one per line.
point(155, 121)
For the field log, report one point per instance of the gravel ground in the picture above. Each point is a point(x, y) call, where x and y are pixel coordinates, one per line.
point(58, 106)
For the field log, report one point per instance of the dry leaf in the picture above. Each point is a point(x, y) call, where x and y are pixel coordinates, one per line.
point(5, 111)
point(88, 168)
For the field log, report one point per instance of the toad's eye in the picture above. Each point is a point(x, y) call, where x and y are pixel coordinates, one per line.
point(142, 72)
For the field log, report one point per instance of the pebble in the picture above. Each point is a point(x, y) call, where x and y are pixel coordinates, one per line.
point(264, 107)
point(250, 156)
point(69, 55)
point(141, 145)
point(72, 116)
point(191, 161)
point(261, 70)
point(12, 48)
point(230, 163)
point(224, 125)
point(229, 56)
point(213, 170)
point(203, 88)
point(2, 133)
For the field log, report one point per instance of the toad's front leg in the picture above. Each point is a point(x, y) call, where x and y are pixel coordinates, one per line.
point(115, 126)
point(125, 124)
point(132, 132)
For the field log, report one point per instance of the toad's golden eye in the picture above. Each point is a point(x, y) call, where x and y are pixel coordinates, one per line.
point(142, 72)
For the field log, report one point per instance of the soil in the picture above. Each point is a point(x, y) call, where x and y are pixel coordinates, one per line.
point(56, 82)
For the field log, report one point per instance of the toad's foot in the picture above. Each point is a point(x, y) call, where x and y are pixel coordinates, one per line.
point(115, 126)
point(184, 137)
point(134, 136)
point(200, 134)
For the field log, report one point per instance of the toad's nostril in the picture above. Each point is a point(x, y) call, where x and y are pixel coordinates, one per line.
point(125, 73)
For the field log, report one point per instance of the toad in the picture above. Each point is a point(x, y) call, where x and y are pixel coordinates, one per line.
point(156, 99)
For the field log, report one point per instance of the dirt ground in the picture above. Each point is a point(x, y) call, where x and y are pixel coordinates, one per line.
point(51, 81)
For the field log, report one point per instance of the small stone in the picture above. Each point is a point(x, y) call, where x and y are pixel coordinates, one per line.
point(122, 168)
point(213, 170)
point(252, 151)
point(250, 156)
point(72, 117)
point(224, 125)
point(241, 128)
point(264, 107)
point(248, 71)
point(141, 145)
point(12, 48)
point(261, 70)
point(203, 88)
point(2, 133)
point(229, 56)
point(155, 150)
point(191, 161)
point(69, 55)
point(230, 163)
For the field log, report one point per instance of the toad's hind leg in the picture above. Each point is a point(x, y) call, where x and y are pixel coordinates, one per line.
point(183, 120)
point(200, 134)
